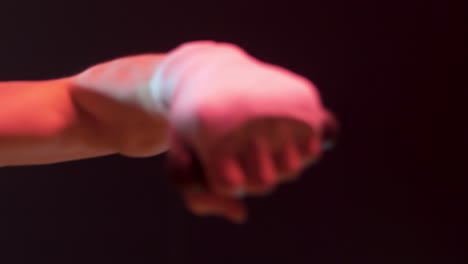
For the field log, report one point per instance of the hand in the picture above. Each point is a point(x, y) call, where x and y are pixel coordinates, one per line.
point(242, 127)
point(238, 125)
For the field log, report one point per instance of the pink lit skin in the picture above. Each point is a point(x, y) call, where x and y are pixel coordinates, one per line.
point(252, 125)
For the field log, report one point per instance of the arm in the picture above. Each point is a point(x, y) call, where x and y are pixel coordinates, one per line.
point(250, 125)
point(74, 118)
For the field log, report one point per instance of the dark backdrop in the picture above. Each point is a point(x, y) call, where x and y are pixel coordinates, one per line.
point(382, 196)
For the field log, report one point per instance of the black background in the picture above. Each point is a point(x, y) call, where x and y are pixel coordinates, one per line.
point(385, 195)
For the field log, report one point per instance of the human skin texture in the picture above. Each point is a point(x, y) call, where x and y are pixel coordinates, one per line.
point(233, 125)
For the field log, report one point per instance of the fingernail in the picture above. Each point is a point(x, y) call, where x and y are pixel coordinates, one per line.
point(239, 219)
point(310, 162)
point(268, 192)
point(202, 211)
point(328, 145)
point(287, 178)
point(330, 133)
point(239, 192)
point(196, 188)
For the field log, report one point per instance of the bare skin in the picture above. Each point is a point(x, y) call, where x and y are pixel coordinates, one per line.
point(95, 114)
point(51, 121)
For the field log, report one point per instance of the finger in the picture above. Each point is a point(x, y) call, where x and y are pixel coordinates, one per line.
point(184, 168)
point(259, 167)
point(226, 177)
point(313, 149)
point(289, 161)
point(204, 204)
point(310, 147)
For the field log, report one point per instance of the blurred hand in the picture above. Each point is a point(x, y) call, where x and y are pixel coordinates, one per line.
point(243, 127)
point(234, 126)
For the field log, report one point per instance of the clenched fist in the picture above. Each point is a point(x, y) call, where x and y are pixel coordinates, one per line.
point(240, 126)
point(235, 125)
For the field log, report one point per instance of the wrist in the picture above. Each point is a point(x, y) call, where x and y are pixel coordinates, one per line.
point(184, 66)
point(125, 80)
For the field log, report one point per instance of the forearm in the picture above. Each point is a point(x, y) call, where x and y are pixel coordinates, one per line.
point(66, 119)
point(39, 123)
